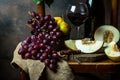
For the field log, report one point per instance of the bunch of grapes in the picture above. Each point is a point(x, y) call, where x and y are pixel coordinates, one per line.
point(41, 45)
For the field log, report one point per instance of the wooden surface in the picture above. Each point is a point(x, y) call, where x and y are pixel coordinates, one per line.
point(106, 66)
point(102, 66)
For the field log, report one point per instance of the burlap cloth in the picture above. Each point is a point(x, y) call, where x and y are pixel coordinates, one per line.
point(35, 68)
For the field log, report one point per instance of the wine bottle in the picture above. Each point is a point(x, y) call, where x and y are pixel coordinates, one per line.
point(40, 7)
point(96, 16)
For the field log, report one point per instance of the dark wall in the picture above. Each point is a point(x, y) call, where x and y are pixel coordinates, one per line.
point(13, 16)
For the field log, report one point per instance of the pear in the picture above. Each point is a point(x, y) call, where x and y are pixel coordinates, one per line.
point(64, 27)
point(58, 20)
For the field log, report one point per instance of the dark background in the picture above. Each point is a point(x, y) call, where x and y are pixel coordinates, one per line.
point(13, 16)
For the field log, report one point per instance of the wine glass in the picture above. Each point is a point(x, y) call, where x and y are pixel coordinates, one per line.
point(77, 14)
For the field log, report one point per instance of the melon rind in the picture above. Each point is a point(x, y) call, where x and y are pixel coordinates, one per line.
point(100, 31)
point(70, 44)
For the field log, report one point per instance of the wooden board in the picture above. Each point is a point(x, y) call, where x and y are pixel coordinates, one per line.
point(88, 57)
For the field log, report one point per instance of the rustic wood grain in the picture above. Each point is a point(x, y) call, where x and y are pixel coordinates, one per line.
point(102, 66)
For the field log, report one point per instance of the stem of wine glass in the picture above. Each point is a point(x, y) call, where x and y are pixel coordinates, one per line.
point(92, 29)
point(78, 32)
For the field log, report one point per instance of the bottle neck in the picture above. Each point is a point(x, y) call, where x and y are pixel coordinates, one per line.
point(41, 8)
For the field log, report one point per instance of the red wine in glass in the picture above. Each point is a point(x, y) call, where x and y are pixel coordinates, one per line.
point(77, 18)
point(77, 14)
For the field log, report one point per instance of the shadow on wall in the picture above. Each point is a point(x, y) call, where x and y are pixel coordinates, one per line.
point(13, 16)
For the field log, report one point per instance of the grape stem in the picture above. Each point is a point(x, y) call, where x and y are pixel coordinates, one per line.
point(68, 52)
point(29, 12)
point(29, 26)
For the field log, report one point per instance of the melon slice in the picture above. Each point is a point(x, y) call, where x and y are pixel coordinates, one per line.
point(70, 44)
point(87, 46)
point(107, 34)
point(113, 52)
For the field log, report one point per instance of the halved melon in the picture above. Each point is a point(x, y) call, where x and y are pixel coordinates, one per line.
point(87, 46)
point(107, 34)
point(113, 52)
point(70, 44)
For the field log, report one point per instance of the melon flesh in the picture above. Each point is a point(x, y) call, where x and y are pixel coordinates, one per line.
point(113, 52)
point(88, 46)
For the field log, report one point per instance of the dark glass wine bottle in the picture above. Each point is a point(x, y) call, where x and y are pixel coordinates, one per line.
point(96, 16)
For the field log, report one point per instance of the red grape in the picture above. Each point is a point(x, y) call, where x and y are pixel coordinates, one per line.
point(42, 46)
point(29, 21)
point(53, 61)
point(36, 47)
point(56, 29)
point(34, 52)
point(52, 43)
point(45, 41)
point(52, 33)
point(21, 51)
point(45, 55)
point(28, 40)
point(24, 43)
point(25, 47)
point(32, 14)
point(48, 49)
point(38, 55)
point(55, 55)
point(41, 50)
point(47, 62)
point(27, 56)
point(37, 17)
point(50, 27)
point(52, 67)
point(30, 49)
point(47, 17)
point(41, 58)
point(58, 34)
point(54, 37)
